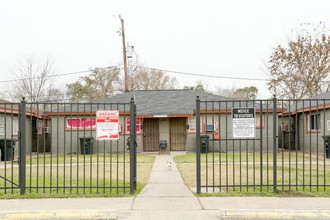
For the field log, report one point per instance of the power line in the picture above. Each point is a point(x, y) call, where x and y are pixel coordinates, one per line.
point(205, 75)
point(149, 68)
point(55, 75)
point(73, 73)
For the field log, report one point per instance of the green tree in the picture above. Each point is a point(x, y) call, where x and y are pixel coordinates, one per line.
point(101, 83)
point(250, 92)
point(246, 93)
point(301, 68)
point(200, 86)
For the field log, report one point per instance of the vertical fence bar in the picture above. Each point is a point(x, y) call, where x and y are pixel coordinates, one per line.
point(135, 147)
point(303, 142)
point(267, 142)
point(310, 144)
point(132, 146)
point(22, 148)
point(274, 145)
point(296, 144)
point(44, 153)
point(324, 150)
point(4, 150)
point(198, 146)
point(220, 136)
point(317, 126)
point(289, 130)
point(57, 149)
point(12, 164)
point(254, 152)
point(213, 169)
point(206, 147)
point(261, 144)
point(282, 151)
point(84, 155)
point(109, 106)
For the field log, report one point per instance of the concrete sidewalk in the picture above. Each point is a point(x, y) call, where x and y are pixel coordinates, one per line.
point(166, 197)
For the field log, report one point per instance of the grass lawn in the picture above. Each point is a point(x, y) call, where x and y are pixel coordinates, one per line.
point(250, 174)
point(75, 175)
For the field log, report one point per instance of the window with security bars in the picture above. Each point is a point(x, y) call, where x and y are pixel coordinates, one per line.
point(315, 121)
point(81, 123)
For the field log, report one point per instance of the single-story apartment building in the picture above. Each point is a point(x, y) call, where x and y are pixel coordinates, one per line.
point(305, 123)
point(161, 115)
point(9, 128)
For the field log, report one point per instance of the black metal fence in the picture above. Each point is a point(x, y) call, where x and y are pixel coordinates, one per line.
point(263, 145)
point(52, 148)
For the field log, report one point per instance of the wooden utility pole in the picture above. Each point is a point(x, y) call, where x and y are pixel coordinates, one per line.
point(124, 53)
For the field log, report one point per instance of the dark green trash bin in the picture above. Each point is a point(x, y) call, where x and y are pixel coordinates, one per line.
point(86, 145)
point(204, 143)
point(7, 149)
point(326, 139)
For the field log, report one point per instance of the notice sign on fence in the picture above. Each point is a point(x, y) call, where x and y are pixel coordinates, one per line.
point(107, 123)
point(243, 123)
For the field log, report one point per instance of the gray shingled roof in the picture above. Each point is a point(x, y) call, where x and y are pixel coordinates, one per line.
point(318, 100)
point(163, 102)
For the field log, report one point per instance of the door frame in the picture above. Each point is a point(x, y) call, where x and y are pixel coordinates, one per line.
point(185, 131)
point(144, 135)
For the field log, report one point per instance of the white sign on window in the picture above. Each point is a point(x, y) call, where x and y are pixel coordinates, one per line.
point(107, 123)
point(192, 124)
point(328, 125)
point(243, 123)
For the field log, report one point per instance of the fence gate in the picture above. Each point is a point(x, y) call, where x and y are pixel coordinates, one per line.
point(9, 145)
point(263, 145)
point(56, 151)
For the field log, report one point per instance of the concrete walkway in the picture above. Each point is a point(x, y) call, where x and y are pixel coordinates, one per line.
point(166, 197)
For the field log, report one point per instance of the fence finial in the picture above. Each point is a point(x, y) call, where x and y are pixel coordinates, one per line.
point(133, 98)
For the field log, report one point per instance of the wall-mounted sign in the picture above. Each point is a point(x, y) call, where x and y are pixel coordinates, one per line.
point(243, 123)
point(160, 116)
point(192, 124)
point(107, 124)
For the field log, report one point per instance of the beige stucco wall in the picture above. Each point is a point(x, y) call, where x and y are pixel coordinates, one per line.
point(164, 126)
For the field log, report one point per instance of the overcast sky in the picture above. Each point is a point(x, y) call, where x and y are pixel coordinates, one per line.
point(206, 37)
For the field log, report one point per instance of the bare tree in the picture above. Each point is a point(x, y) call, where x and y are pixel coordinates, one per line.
point(133, 71)
point(154, 80)
point(302, 67)
point(56, 95)
point(225, 92)
point(142, 78)
point(33, 80)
